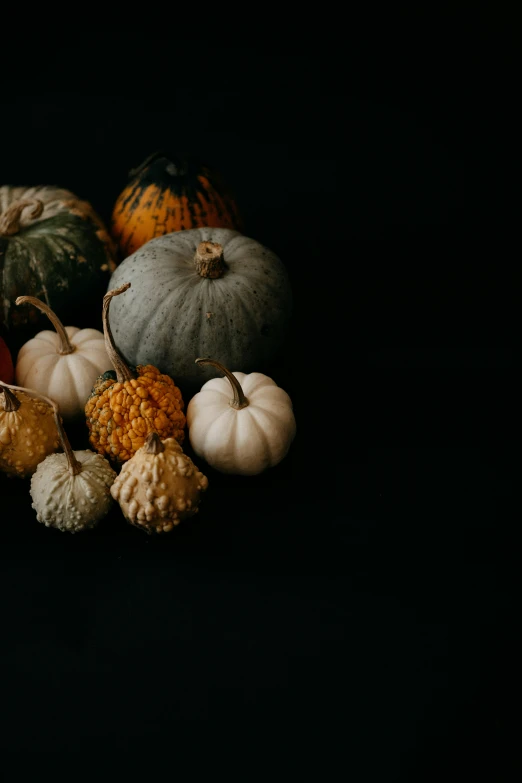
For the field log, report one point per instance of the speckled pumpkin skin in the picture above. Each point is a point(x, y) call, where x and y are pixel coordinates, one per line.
point(120, 415)
point(64, 257)
point(171, 194)
point(171, 315)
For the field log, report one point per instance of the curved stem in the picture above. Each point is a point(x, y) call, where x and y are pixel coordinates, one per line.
point(153, 444)
point(10, 219)
point(11, 401)
point(75, 467)
point(123, 371)
point(148, 160)
point(240, 400)
point(66, 343)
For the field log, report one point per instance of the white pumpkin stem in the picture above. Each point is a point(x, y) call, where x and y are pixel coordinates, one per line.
point(153, 444)
point(10, 219)
point(123, 371)
point(240, 400)
point(209, 260)
point(67, 347)
point(75, 467)
point(11, 401)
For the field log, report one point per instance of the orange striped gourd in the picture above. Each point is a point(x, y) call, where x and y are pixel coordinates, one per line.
point(167, 194)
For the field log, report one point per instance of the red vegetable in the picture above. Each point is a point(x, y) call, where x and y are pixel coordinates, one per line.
point(6, 364)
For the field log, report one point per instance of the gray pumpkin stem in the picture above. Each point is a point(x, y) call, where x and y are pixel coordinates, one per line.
point(209, 260)
point(240, 400)
point(123, 371)
point(67, 348)
point(10, 219)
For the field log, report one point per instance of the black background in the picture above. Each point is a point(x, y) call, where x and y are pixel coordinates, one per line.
point(353, 606)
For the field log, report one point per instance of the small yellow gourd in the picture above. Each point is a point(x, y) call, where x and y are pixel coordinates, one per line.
point(71, 491)
point(28, 432)
point(159, 486)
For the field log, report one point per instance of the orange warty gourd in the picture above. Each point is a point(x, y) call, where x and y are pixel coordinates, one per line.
point(127, 404)
point(170, 194)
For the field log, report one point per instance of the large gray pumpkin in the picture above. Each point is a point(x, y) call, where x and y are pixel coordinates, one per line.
point(198, 293)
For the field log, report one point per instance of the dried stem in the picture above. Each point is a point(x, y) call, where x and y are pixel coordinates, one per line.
point(11, 401)
point(10, 219)
point(153, 444)
point(67, 347)
point(123, 371)
point(240, 400)
point(209, 260)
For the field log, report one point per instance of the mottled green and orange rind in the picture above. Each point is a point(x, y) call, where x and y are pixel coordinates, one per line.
point(154, 204)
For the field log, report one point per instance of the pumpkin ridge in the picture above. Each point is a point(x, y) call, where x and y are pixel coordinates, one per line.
point(46, 337)
point(83, 363)
point(132, 200)
point(38, 260)
point(47, 361)
point(283, 405)
point(248, 314)
point(20, 257)
point(50, 255)
point(169, 297)
point(224, 412)
point(66, 378)
point(262, 433)
point(262, 382)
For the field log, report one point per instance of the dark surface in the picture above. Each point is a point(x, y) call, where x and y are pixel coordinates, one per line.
point(353, 606)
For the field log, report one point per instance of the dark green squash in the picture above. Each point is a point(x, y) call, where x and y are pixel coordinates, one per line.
point(55, 247)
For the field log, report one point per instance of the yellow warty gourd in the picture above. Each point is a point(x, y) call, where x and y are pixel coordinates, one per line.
point(28, 432)
point(159, 486)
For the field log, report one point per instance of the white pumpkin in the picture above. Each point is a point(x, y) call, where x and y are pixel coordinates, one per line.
point(62, 365)
point(71, 491)
point(242, 423)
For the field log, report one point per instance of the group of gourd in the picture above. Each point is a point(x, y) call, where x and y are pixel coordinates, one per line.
point(190, 296)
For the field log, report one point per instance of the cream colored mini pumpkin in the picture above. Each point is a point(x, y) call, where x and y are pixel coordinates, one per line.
point(244, 429)
point(62, 365)
point(71, 491)
point(159, 486)
point(27, 431)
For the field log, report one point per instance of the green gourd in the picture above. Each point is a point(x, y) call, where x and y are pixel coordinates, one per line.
point(53, 246)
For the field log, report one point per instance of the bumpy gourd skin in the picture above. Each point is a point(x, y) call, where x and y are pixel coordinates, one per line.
point(27, 436)
point(157, 491)
point(121, 415)
point(72, 502)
